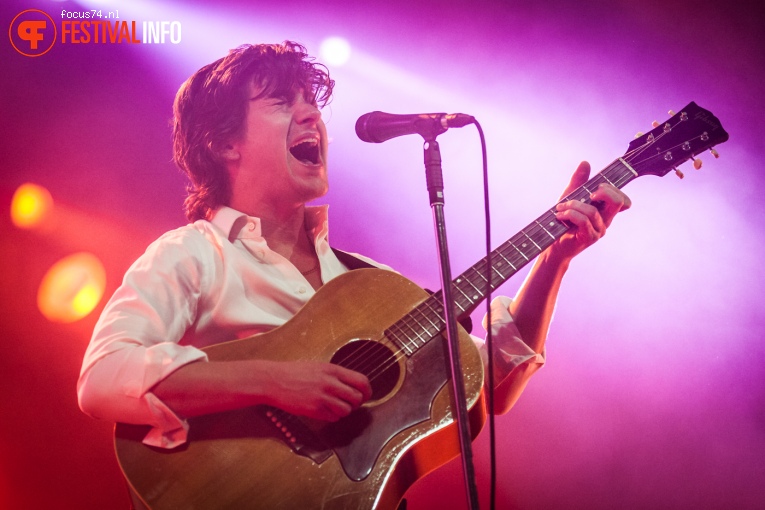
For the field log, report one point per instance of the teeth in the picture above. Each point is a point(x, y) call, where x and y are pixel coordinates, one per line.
point(306, 151)
point(311, 141)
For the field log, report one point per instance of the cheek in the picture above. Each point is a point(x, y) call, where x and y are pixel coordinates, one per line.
point(262, 148)
point(324, 139)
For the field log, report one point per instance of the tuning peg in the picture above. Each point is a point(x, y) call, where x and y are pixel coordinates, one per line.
point(655, 123)
point(671, 113)
point(678, 172)
point(639, 134)
point(697, 163)
point(714, 153)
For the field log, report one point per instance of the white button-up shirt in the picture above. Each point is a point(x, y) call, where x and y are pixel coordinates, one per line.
point(201, 284)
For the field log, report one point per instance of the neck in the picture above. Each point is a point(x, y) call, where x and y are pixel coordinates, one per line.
point(285, 231)
point(280, 223)
point(284, 227)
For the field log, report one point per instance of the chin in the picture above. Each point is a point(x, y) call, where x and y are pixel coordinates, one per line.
point(315, 190)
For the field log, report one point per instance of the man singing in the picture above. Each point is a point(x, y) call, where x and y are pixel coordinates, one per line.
point(249, 135)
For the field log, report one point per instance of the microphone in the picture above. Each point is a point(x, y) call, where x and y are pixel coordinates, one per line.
point(376, 127)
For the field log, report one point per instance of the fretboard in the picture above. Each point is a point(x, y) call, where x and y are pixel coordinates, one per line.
point(427, 320)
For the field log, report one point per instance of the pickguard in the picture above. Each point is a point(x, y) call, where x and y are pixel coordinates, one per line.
point(358, 439)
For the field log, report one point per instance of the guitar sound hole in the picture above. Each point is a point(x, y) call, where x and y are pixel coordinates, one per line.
point(374, 360)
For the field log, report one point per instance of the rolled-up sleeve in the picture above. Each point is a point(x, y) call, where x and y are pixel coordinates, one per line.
point(510, 351)
point(135, 343)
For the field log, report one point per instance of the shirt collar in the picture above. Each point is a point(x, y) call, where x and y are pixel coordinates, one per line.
point(233, 222)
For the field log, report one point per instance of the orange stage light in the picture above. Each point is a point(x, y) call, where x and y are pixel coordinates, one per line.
point(30, 205)
point(71, 288)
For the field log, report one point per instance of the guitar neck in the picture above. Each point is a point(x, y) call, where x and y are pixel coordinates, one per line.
point(471, 287)
point(680, 138)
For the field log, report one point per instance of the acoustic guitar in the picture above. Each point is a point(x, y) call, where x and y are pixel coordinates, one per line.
point(385, 326)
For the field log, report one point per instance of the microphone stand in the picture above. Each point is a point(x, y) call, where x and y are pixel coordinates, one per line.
point(435, 183)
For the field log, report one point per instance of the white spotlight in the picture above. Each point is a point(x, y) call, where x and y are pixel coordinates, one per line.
point(335, 51)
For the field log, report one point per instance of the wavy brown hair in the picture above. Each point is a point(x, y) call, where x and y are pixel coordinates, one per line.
point(211, 107)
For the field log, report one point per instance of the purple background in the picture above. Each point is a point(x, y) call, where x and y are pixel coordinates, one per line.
point(654, 393)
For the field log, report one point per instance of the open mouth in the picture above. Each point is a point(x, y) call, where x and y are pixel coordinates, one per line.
point(307, 152)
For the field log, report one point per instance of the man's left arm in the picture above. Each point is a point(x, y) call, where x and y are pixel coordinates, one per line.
point(532, 309)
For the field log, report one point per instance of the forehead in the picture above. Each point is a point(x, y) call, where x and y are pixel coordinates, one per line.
point(264, 90)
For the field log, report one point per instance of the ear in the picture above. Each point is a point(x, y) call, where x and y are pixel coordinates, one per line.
point(229, 153)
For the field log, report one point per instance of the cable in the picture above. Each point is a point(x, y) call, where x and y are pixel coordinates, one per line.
point(489, 336)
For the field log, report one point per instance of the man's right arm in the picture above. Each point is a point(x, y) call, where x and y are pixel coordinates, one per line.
point(136, 370)
point(321, 391)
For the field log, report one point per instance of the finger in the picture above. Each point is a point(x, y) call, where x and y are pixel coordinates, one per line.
point(356, 381)
point(582, 215)
point(591, 211)
point(591, 227)
point(612, 194)
point(348, 394)
point(610, 201)
point(333, 410)
point(580, 176)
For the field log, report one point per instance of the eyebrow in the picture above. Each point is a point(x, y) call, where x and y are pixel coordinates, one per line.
point(312, 101)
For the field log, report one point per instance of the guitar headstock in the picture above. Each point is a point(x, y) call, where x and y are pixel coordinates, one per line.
point(673, 142)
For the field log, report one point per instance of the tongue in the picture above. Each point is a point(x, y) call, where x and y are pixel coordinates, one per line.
point(303, 153)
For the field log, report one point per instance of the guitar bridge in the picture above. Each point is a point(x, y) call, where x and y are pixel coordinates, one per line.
point(297, 436)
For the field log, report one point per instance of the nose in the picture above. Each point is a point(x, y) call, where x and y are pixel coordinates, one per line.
point(306, 112)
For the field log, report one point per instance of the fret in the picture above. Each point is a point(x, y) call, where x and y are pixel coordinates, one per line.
point(419, 324)
point(479, 273)
point(460, 306)
point(519, 251)
point(436, 312)
point(462, 292)
point(505, 259)
point(479, 291)
point(418, 341)
point(619, 179)
point(543, 228)
point(410, 341)
point(396, 340)
point(582, 197)
point(530, 239)
point(628, 167)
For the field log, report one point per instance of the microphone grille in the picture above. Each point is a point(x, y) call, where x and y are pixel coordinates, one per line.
point(362, 128)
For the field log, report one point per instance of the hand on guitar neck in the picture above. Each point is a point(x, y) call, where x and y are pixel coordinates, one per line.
point(532, 309)
point(591, 220)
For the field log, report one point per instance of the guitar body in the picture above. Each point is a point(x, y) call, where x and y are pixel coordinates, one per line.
point(258, 458)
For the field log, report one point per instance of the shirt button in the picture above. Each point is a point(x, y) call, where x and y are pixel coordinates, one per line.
point(251, 226)
point(302, 290)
